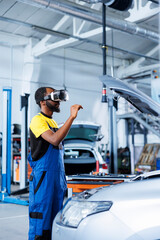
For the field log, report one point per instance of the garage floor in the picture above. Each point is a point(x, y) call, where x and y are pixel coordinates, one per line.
point(13, 219)
point(13, 222)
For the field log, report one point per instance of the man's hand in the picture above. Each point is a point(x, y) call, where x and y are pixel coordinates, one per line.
point(74, 110)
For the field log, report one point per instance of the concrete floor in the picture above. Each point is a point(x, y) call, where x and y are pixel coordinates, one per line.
point(13, 218)
point(13, 222)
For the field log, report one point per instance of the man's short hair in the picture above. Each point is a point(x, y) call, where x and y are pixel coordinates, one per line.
point(40, 93)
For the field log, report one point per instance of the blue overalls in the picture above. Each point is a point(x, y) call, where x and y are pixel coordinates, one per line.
point(47, 188)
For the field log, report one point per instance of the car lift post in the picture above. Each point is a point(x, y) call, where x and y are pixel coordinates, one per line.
point(6, 151)
point(104, 49)
point(112, 135)
point(132, 147)
point(111, 105)
point(24, 141)
point(6, 143)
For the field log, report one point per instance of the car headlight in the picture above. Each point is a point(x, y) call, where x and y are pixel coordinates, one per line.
point(75, 210)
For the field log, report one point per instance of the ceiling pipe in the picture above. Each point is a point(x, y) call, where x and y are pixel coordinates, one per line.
point(65, 35)
point(76, 10)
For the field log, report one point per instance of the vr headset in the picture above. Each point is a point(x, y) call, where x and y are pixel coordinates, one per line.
point(57, 96)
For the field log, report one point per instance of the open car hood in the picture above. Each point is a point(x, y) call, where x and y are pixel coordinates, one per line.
point(138, 99)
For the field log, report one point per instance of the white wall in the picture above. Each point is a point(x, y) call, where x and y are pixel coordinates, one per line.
point(25, 75)
point(84, 87)
point(13, 75)
point(11, 67)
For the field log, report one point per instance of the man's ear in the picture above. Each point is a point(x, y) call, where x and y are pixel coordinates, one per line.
point(42, 103)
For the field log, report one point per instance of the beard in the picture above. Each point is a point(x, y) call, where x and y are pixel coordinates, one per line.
point(53, 108)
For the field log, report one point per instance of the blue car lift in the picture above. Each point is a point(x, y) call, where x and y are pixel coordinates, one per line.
point(5, 194)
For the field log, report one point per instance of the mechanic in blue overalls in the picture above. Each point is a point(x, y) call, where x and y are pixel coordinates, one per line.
point(47, 185)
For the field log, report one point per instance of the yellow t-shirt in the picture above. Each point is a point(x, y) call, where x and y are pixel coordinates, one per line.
point(40, 124)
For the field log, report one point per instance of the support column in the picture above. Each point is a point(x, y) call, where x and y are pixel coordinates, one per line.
point(132, 148)
point(115, 144)
point(104, 97)
point(24, 142)
point(6, 141)
point(110, 106)
point(126, 132)
point(112, 136)
point(31, 72)
point(145, 136)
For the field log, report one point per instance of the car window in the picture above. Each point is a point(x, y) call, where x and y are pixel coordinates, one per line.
point(78, 153)
point(89, 134)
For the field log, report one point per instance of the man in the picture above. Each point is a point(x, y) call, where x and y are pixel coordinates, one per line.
point(47, 181)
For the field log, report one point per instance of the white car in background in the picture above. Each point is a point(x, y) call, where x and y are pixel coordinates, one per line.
point(80, 149)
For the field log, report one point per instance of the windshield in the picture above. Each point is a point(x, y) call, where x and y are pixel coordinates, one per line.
point(78, 132)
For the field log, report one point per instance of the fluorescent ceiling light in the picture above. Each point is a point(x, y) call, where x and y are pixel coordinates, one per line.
point(50, 32)
point(36, 28)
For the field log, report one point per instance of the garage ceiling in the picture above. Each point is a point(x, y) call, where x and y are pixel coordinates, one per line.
point(52, 27)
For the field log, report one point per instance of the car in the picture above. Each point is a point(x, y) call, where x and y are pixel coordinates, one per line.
point(126, 211)
point(81, 153)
